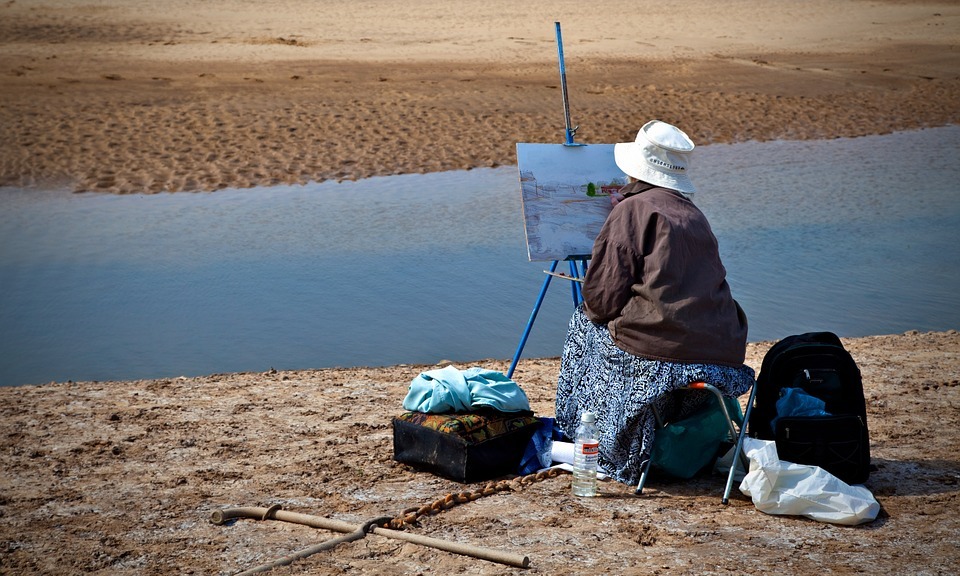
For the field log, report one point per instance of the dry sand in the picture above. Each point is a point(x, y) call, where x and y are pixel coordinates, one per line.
point(201, 95)
point(129, 97)
point(122, 477)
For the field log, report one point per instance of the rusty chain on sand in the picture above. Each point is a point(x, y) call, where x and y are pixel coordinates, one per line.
point(410, 515)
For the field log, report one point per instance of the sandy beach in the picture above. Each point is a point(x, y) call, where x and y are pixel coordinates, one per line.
point(123, 477)
point(115, 97)
point(125, 97)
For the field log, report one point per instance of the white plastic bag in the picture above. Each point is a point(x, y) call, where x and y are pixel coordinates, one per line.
point(778, 487)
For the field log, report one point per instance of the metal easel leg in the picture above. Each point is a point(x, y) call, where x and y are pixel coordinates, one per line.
point(533, 316)
point(575, 286)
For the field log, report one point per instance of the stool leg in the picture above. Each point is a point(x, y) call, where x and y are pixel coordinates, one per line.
point(649, 463)
point(643, 478)
point(738, 449)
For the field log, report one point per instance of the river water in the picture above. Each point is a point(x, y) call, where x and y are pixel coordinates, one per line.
point(857, 236)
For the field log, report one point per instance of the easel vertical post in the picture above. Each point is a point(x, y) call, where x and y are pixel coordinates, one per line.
point(570, 132)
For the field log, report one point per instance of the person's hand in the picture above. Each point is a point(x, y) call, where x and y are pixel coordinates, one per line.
point(616, 198)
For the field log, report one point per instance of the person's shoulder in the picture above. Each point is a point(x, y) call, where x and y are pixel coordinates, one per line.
point(652, 199)
point(661, 192)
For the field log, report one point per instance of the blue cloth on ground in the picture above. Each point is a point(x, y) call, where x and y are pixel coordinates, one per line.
point(451, 390)
point(798, 402)
point(539, 452)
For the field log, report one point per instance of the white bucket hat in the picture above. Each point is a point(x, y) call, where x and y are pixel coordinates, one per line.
point(659, 156)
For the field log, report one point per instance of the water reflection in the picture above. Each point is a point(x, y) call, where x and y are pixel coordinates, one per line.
point(855, 236)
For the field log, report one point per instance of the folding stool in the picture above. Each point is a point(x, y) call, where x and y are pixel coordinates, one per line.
point(734, 433)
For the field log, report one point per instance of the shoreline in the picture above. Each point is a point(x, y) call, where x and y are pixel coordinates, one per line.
point(754, 357)
point(413, 368)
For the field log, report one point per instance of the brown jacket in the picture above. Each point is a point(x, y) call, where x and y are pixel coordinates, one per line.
point(655, 278)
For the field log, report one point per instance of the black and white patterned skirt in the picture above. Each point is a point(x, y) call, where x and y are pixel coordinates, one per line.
point(620, 388)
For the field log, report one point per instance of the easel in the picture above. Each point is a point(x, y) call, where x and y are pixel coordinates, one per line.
point(576, 270)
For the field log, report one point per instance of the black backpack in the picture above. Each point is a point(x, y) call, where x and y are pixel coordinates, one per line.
point(814, 364)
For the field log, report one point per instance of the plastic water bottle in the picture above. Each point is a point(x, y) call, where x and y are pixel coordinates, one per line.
point(585, 452)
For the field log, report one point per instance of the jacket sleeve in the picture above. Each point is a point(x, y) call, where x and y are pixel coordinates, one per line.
point(613, 270)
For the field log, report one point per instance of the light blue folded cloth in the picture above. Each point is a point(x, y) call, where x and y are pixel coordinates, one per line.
point(452, 390)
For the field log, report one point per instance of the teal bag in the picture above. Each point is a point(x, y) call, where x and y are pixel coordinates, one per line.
point(683, 448)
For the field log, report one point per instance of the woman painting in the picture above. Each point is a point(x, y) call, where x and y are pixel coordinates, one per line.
point(657, 311)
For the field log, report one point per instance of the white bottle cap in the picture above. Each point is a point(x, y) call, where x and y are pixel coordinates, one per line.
point(588, 417)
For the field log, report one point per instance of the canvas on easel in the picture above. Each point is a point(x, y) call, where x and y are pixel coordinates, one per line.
point(565, 194)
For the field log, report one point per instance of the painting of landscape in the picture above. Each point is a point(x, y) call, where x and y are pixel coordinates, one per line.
point(565, 190)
